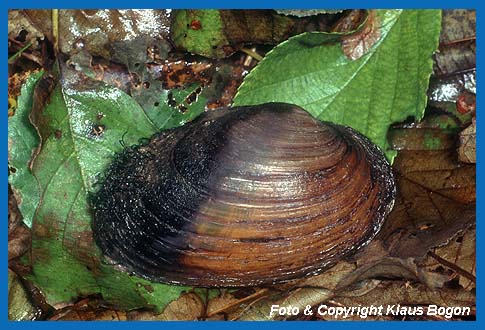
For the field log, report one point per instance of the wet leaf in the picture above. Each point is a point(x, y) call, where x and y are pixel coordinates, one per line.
point(255, 27)
point(15, 84)
point(344, 279)
point(81, 128)
point(14, 215)
point(444, 91)
point(220, 33)
point(454, 71)
point(101, 31)
point(22, 140)
point(171, 108)
point(386, 85)
point(466, 103)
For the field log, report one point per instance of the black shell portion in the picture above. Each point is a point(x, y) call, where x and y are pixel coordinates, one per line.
point(241, 197)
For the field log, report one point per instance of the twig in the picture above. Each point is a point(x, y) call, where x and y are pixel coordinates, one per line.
point(252, 53)
point(457, 41)
point(17, 54)
point(454, 267)
point(55, 29)
point(258, 294)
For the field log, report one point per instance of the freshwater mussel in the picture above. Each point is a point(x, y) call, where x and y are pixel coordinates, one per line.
point(242, 196)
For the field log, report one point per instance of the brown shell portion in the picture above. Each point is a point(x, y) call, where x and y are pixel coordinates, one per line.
point(241, 197)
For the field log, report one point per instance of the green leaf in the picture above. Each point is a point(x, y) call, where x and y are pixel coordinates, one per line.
point(171, 108)
point(81, 129)
point(22, 141)
point(384, 86)
point(219, 33)
point(207, 41)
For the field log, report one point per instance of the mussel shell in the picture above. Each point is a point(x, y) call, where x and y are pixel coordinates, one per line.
point(241, 197)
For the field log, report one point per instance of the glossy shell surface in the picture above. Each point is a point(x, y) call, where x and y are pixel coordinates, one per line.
point(241, 197)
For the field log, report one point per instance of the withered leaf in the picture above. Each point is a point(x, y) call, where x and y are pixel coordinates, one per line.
point(88, 310)
point(309, 291)
point(19, 23)
point(408, 294)
point(18, 241)
point(467, 149)
point(461, 254)
point(436, 193)
point(102, 31)
point(351, 21)
point(457, 42)
point(179, 73)
point(393, 268)
point(357, 44)
point(188, 306)
point(220, 306)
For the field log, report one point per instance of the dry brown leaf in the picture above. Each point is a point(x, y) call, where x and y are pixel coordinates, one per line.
point(408, 294)
point(16, 81)
point(18, 242)
point(467, 148)
point(219, 308)
point(142, 315)
point(20, 26)
point(19, 236)
point(177, 74)
point(310, 291)
point(457, 42)
point(436, 193)
point(461, 253)
point(188, 306)
point(350, 22)
point(343, 280)
point(88, 314)
point(88, 309)
point(357, 44)
point(14, 216)
point(393, 268)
